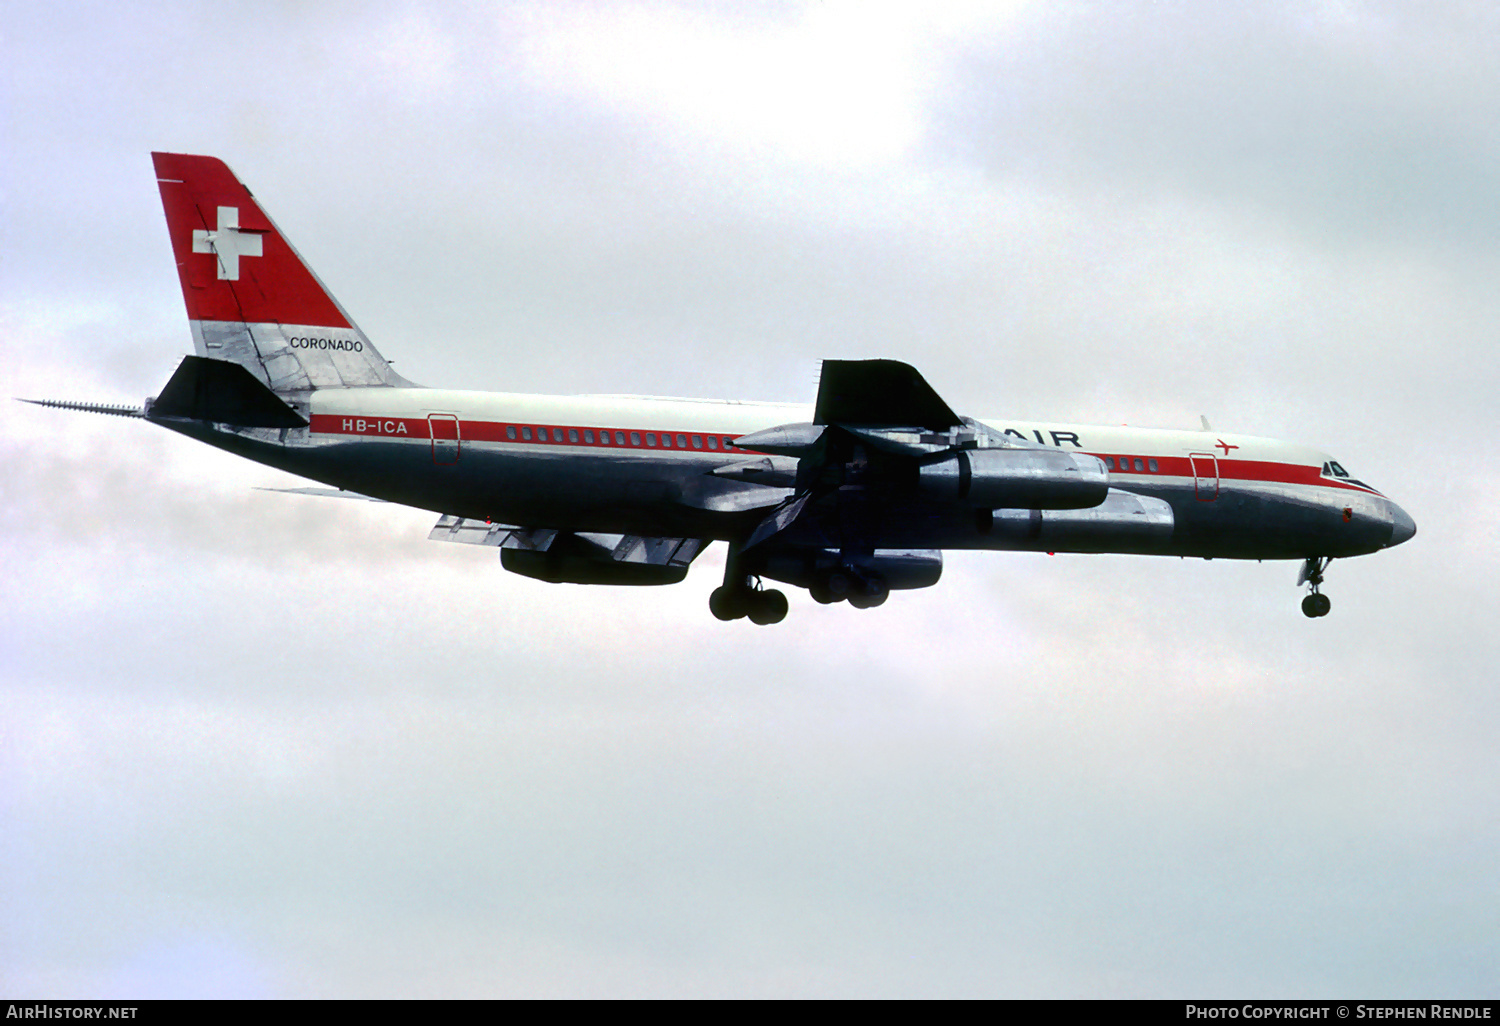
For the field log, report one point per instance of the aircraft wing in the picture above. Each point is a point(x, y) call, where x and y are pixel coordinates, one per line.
point(468, 531)
point(576, 557)
point(882, 393)
point(881, 436)
point(325, 493)
point(873, 420)
point(565, 556)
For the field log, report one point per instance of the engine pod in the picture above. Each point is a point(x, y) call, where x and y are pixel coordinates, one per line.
point(901, 569)
point(1124, 522)
point(1016, 479)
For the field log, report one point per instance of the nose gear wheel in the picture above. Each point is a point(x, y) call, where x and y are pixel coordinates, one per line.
point(1315, 604)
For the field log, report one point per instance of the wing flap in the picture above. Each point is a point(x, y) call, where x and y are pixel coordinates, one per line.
point(468, 531)
point(583, 557)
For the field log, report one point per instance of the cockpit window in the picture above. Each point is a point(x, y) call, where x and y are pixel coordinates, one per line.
point(1338, 473)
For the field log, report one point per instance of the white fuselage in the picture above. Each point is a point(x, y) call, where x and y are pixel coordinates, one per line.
point(620, 463)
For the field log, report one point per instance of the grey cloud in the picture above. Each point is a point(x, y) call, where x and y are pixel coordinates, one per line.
point(1363, 130)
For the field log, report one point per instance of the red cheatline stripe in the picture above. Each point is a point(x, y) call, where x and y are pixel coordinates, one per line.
point(1232, 470)
point(546, 434)
point(541, 434)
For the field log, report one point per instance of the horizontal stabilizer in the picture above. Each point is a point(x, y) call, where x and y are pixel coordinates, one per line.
point(880, 392)
point(224, 393)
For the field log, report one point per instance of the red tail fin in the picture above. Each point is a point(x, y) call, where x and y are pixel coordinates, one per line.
point(250, 298)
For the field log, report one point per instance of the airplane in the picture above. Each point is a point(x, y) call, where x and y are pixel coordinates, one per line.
point(850, 498)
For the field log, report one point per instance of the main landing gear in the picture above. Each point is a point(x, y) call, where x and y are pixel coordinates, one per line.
point(1316, 603)
point(730, 602)
point(740, 595)
point(862, 591)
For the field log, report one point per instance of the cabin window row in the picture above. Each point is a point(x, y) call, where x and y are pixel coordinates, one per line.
point(587, 436)
point(1128, 463)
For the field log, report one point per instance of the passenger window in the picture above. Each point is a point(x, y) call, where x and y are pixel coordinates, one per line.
point(588, 437)
point(682, 441)
point(573, 435)
point(635, 438)
point(557, 434)
point(651, 438)
point(713, 443)
point(666, 440)
point(619, 438)
point(526, 433)
point(1139, 466)
point(510, 432)
point(1109, 461)
point(697, 441)
point(1151, 464)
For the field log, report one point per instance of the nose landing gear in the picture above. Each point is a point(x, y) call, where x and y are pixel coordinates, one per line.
point(1315, 604)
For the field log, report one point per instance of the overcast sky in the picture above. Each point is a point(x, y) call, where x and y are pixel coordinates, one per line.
point(255, 744)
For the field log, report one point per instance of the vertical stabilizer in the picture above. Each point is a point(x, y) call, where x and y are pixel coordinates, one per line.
point(250, 298)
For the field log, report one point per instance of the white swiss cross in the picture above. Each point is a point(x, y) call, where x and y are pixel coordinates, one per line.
point(228, 243)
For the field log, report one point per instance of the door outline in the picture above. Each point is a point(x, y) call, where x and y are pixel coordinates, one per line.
point(443, 427)
point(1205, 475)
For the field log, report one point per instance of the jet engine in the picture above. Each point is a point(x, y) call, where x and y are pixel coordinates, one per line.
point(1016, 479)
point(1123, 522)
point(562, 557)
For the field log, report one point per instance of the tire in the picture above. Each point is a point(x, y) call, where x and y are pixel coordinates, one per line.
point(840, 584)
point(1316, 605)
point(727, 603)
point(768, 607)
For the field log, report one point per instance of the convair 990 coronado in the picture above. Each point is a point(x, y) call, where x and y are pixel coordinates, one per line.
point(851, 498)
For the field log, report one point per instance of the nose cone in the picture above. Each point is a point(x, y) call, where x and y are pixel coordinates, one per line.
point(1402, 526)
